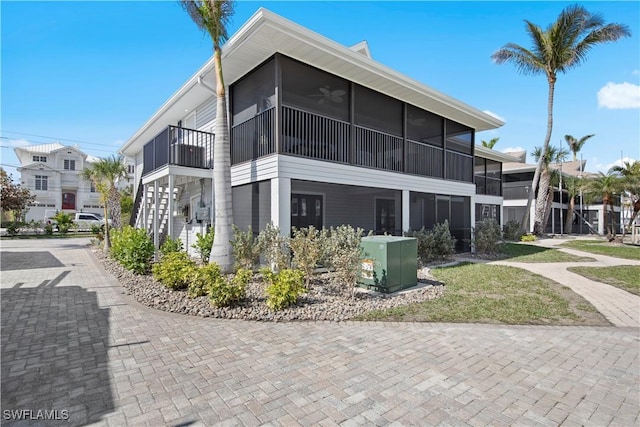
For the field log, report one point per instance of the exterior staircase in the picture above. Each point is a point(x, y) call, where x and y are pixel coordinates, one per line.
point(146, 210)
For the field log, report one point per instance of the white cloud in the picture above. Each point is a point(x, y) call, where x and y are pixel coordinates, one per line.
point(497, 116)
point(14, 143)
point(618, 162)
point(511, 149)
point(619, 96)
point(118, 142)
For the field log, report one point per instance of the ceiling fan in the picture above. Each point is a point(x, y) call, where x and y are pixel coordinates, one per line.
point(328, 95)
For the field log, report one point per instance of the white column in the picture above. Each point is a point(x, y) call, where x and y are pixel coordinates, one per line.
point(472, 219)
point(281, 204)
point(406, 208)
point(171, 206)
point(532, 213)
point(602, 226)
point(156, 223)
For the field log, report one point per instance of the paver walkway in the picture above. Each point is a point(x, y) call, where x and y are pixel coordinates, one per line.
point(620, 307)
point(71, 341)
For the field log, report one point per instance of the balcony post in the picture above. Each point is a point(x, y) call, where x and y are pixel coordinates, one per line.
point(156, 199)
point(279, 106)
point(171, 206)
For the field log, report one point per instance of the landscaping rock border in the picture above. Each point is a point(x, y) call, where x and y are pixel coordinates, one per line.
point(324, 300)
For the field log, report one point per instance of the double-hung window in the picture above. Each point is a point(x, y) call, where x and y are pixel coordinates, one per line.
point(69, 165)
point(42, 182)
point(42, 159)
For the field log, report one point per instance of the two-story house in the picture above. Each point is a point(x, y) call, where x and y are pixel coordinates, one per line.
point(52, 172)
point(322, 135)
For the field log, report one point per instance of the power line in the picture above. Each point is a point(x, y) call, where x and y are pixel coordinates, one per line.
point(45, 143)
point(53, 138)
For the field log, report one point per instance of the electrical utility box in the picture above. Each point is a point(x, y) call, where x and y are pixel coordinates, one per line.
point(390, 263)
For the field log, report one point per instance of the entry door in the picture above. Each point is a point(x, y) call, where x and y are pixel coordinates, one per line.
point(385, 216)
point(306, 210)
point(69, 201)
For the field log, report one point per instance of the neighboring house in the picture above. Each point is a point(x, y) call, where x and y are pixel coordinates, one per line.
point(52, 172)
point(588, 218)
point(321, 135)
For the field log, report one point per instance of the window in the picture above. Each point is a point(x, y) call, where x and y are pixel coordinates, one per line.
point(69, 165)
point(92, 187)
point(42, 159)
point(254, 93)
point(42, 182)
point(131, 169)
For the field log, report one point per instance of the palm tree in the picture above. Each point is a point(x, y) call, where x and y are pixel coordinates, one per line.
point(213, 17)
point(491, 143)
point(104, 174)
point(630, 174)
point(605, 187)
point(545, 192)
point(562, 46)
point(575, 145)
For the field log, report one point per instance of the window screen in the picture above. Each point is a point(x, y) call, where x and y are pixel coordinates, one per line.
point(423, 126)
point(255, 93)
point(313, 90)
point(378, 111)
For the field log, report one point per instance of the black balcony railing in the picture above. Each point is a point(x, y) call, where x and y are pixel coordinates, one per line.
point(315, 136)
point(311, 135)
point(179, 146)
point(254, 138)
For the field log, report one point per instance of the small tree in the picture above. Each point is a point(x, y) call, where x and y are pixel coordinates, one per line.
point(13, 198)
point(307, 246)
point(275, 247)
point(344, 254)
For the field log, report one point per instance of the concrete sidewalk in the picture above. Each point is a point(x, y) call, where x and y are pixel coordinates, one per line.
point(619, 307)
point(74, 344)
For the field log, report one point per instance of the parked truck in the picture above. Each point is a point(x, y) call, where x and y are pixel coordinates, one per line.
point(81, 220)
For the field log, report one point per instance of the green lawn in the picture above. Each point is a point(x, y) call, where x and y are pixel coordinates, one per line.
point(519, 252)
point(617, 250)
point(625, 277)
point(482, 293)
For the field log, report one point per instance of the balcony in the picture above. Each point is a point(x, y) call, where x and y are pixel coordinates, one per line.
point(180, 147)
point(316, 136)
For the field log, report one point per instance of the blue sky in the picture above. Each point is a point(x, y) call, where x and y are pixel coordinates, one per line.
point(91, 73)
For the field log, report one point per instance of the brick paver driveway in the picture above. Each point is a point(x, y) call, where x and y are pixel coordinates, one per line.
point(73, 344)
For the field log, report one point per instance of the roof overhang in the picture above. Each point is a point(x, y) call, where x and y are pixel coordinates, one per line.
point(265, 34)
point(487, 153)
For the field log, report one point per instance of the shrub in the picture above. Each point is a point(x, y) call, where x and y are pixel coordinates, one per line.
point(12, 229)
point(171, 245)
point(344, 254)
point(202, 278)
point(245, 248)
point(133, 248)
point(174, 270)
point(308, 250)
point(283, 288)
point(528, 238)
point(274, 247)
point(512, 231)
point(203, 245)
point(35, 226)
point(444, 243)
point(48, 229)
point(486, 237)
point(224, 293)
point(435, 244)
point(64, 221)
point(425, 243)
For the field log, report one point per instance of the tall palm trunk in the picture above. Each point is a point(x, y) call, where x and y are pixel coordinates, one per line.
point(568, 224)
point(107, 240)
point(541, 201)
point(115, 210)
point(548, 208)
point(536, 176)
point(221, 252)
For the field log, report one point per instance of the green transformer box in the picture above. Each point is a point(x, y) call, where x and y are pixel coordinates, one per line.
point(390, 263)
